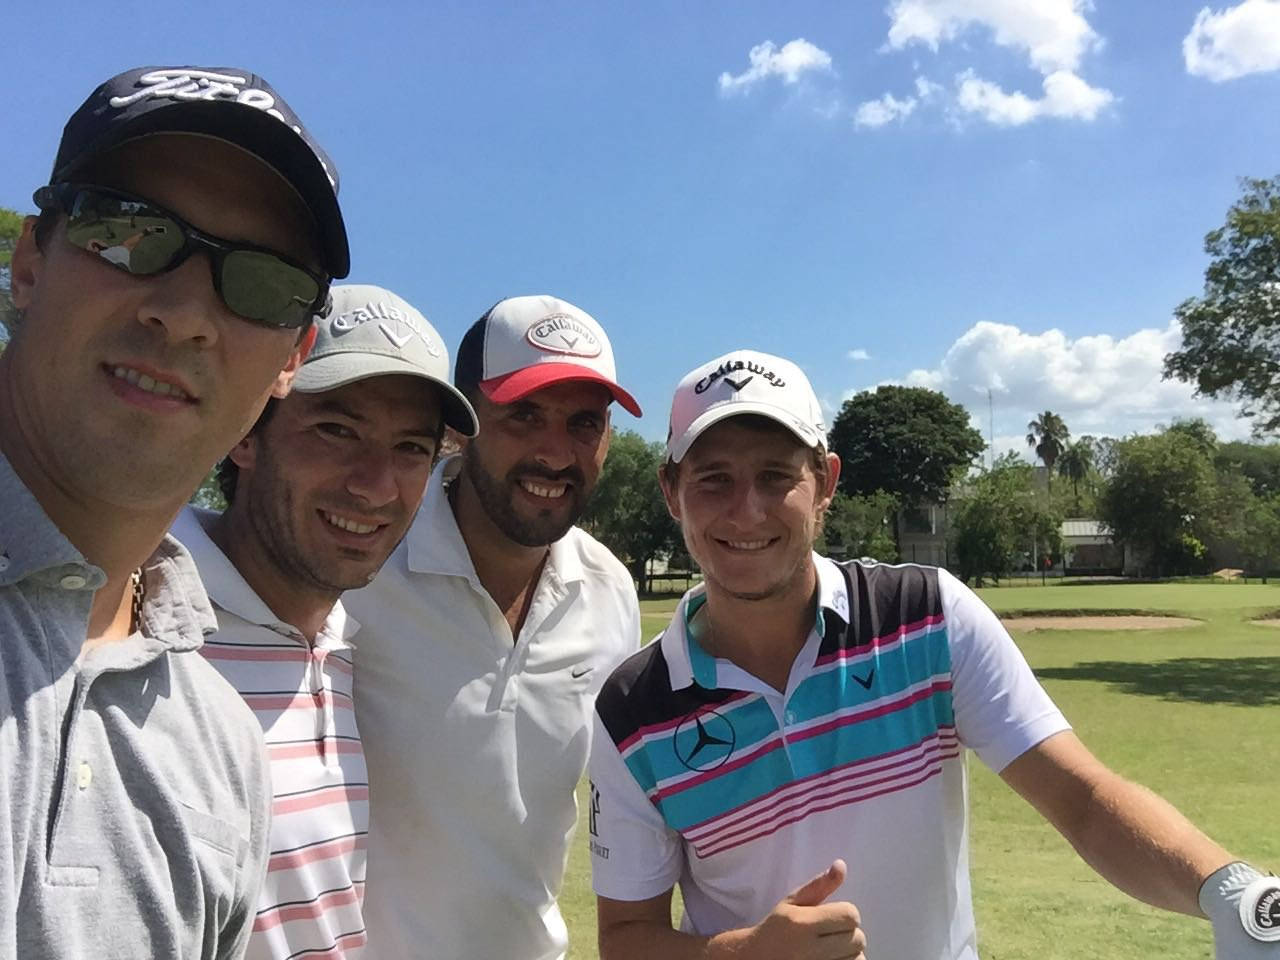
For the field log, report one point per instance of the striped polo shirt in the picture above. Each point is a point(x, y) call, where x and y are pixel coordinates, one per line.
point(704, 775)
point(312, 898)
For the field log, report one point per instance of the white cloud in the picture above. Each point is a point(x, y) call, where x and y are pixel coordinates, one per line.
point(1065, 96)
point(1053, 35)
point(876, 113)
point(926, 89)
point(974, 95)
point(859, 354)
point(1099, 384)
point(1234, 42)
point(796, 58)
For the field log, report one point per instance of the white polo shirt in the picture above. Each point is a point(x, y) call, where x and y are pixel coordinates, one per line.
point(705, 776)
point(301, 693)
point(476, 740)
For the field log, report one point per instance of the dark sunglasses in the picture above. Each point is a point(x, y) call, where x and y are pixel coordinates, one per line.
point(145, 239)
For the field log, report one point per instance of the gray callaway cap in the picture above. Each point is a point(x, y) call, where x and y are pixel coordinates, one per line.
point(371, 332)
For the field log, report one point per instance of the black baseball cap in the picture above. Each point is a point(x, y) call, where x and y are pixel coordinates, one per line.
point(224, 102)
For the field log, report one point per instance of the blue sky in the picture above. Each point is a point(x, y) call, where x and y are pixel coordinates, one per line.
point(965, 194)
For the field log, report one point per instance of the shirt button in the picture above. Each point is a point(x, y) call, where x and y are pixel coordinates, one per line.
point(4, 564)
point(73, 581)
point(84, 776)
point(789, 717)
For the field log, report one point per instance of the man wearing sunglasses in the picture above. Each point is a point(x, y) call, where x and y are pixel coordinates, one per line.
point(185, 242)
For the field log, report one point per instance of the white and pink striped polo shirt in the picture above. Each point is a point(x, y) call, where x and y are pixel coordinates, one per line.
point(312, 898)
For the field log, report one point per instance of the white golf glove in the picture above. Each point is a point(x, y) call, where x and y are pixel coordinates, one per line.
point(1244, 907)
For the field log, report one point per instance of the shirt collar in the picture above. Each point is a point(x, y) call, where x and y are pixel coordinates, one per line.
point(435, 543)
point(229, 589)
point(689, 663)
point(175, 611)
point(30, 542)
point(175, 607)
point(833, 588)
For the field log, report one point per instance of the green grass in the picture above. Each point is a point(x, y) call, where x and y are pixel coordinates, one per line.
point(1171, 597)
point(655, 615)
point(1193, 713)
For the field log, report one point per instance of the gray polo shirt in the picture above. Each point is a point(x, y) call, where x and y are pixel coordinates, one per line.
point(134, 800)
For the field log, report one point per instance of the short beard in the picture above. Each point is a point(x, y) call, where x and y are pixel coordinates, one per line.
point(269, 506)
point(778, 588)
point(495, 498)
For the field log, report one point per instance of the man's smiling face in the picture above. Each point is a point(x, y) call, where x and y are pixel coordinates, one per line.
point(126, 389)
point(332, 480)
point(536, 461)
point(750, 503)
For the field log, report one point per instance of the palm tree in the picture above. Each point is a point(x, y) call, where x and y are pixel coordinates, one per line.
point(1075, 463)
point(1049, 435)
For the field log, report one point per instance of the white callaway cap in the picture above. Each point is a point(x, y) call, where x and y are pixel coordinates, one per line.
point(371, 332)
point(526, 343)
point(744, 381)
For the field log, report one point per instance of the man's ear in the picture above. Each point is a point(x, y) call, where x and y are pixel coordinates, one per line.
point(245, 453)
point(26, 266)
point(284, 379)
point(833, 479)
point(669, 493)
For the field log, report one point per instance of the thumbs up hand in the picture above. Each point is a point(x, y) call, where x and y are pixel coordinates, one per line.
point(805, 927)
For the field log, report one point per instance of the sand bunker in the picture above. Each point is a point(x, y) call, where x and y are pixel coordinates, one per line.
point(1269, 622)
point(1124, 622)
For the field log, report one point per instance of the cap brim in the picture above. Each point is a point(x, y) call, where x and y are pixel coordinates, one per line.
point(678, 447)
point(262, 135)
point(517, 385)
point(339, 369)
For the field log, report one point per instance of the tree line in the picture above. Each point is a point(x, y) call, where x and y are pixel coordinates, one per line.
point(1180, 499)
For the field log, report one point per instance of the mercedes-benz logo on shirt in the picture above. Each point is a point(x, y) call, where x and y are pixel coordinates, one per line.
point(704, 740)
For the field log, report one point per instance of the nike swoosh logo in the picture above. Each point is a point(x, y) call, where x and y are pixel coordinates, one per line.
point(864, 684)
point(577, 672)
point(399, 341)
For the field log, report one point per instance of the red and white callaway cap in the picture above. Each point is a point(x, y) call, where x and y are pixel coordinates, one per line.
point(741, 382)
point(526, 343)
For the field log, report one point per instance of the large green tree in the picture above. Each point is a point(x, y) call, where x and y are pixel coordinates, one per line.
point(1001, 518)
point(1102, 453)
point(1160, 500)
point(1262, 545)
point(626, 512)
point(1076, 464)
point(859, 527)
point(1231, 332)
point(1198, 431)
point(1048, 434)
point(909, 442)
point(1258, 462)
point(1228, 520)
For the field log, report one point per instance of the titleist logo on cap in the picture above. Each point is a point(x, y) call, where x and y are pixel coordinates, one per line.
point(561, 333)
point(172, 83)
point(202, 85)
